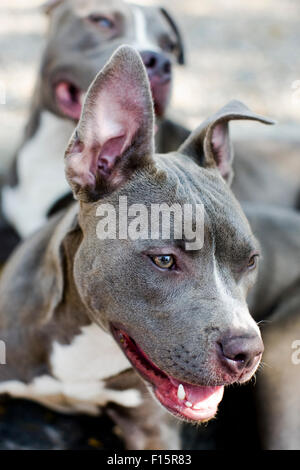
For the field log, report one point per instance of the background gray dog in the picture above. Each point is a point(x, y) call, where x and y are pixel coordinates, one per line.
point(81, 38)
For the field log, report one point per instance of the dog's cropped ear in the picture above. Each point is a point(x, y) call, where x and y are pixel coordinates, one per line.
point(49, 5)
point(53, 263)
point(210, 145)
point(115, 134)
point(180, 45)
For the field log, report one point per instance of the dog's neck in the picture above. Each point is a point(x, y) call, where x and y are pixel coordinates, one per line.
point(53, 322)
point(59, 361)
point(40, 173)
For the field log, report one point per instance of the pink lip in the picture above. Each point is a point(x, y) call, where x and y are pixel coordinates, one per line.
point(68, 98)
point(161, 94)
point(199, 403)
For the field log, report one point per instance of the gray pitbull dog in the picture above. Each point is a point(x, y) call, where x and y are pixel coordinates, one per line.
point(81, 38)
point(85, 318)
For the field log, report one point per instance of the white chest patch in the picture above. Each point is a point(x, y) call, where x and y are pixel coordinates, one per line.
point(41, 175)
point(79, 372)
point(93, 355)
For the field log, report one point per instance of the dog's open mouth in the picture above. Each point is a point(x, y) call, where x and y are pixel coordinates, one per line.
point(69, 99)
point(187, 401)
point(160, 94)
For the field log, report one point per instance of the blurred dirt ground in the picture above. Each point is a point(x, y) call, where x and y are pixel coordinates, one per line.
point(247, 50)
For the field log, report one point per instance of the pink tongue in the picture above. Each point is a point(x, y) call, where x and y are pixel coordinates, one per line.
point(198, 394)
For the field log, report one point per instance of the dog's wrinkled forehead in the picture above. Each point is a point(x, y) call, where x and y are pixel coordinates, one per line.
point(224, 220)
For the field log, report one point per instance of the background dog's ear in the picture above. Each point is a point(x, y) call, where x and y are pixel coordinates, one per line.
point(210, 145)
point(48, 6)
point(115, 134)
point(180, 45)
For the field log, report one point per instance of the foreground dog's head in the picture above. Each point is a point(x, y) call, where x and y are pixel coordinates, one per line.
point(178, 311)
point(84, 34)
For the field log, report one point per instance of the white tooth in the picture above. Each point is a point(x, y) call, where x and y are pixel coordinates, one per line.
point(199, 407)
point(202, 404)
point(181, 392)
point(188, 404)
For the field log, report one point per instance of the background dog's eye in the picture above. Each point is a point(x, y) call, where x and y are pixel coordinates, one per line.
point(101, 21)
point(164, 261)
point(171, 47)
point(167, 44)
point(252, 263)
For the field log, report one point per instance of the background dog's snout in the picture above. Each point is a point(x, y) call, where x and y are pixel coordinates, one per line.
point(241, 353)
point(157, 64)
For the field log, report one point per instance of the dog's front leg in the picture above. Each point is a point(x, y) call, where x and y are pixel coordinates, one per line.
point(147, 427)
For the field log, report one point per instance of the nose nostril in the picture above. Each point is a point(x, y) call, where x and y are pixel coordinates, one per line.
point(239, 358)
point(167, 68)
point(240, 353)
point(157, 63)
point(150, 62)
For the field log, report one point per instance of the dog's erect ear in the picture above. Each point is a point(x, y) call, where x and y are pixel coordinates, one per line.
point(48, 6)
point(115, 134)
point(180, 45)
point(210, 145)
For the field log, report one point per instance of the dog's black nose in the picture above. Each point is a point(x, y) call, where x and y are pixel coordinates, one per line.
point(241, 353)
point(157, 64)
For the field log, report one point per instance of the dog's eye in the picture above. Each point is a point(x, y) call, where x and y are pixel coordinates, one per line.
point(102, 21)
point(164, 261)
point(252, 263)
point(170, 47)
